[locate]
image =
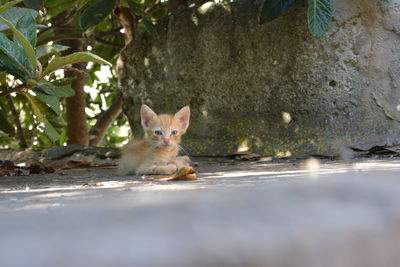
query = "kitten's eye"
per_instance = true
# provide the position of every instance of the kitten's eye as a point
(174, 132)
(158, 132)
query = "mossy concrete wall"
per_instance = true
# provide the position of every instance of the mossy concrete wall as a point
(273, 85)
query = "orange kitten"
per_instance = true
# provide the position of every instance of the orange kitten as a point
(158, 152)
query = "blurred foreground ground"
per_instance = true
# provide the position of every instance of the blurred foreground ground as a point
(258, 213)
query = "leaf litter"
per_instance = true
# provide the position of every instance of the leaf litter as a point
(8, 168)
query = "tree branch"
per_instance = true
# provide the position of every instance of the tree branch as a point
(110, 32)
(16, 89)
(126, 19)
(98, 39)
(61, 37)
(98, 131)
(157, 4)
(74, 36)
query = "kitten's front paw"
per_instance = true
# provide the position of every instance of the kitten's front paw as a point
(185, 160)
(164, 169)
(170, 168)
(182, 161)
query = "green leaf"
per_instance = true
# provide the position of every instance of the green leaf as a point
(57, 121)
(149, 27)
(14, 14)
(124, 3)
(9, 5)
(7, 65)
(52, 101)
(59, 62)
(24, 42)
(64, 91)
(59, 91)
(27, 26)
(95, 13)
(63, 138)
(48, 50)
(58, 6)
(3, 80)
(63, 81)
(13, 58)
(81, 3)
(160, 13)
(272, 9)
(45, 36)
(319, 14)
(34, 4)
(41, 26)
(135, 7)
(31, 83)
(51, 133)
(39, 109)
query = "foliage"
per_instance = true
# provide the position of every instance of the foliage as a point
(319, 13)
(28, 68)
(144, 11)
(38, 92)
(273, 9)
(95, 13)
(99, 102)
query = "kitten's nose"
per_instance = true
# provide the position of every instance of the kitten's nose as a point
(166, 142)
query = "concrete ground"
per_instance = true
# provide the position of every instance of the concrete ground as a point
(251, 213)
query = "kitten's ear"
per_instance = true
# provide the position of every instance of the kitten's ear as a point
(146, 115)
(182, 116)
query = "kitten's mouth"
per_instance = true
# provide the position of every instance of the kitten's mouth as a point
(169, 146)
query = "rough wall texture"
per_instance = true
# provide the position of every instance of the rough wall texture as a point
(272, 86)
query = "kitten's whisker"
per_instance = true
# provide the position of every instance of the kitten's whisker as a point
(184, 150)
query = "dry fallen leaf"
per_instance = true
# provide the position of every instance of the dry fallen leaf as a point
(10, 169)
(38, 167)
(4, 172)
(184, 173)
(7, 165)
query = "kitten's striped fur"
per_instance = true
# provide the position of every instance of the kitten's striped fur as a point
(158, 152)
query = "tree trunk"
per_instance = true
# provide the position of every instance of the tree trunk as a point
(77, 130)
(99, 129)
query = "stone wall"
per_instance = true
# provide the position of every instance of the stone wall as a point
(272, 87)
